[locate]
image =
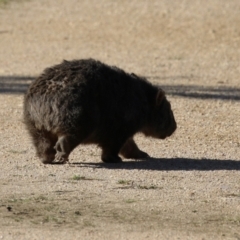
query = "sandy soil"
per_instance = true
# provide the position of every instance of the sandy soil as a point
(190, 187)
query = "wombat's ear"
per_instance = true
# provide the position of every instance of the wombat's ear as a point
(134, 75)
(160, 96)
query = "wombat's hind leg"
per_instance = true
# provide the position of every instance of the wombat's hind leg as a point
(64, 146)
(131, 150)
(110, 155)
(110, 158)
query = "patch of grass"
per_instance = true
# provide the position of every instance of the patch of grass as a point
(147, 187)
(17, 151)
(233, 195)
(130, 201)
(46, 219)
(49, 219)
(18, 200)
(176, 58)
(41, 198)
(125, 182)
(5, 2)
(130, 184)
(48, 207)
(77, 213)
(78, 178)
(17, 220)
(87, 223)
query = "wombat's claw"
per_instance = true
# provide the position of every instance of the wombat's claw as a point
(60, 158)
(111, 159)
(143, 155)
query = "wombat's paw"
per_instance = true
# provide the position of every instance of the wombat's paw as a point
(141, 154)
(131, 150)
(47, 159)
(135, 154)
(60, 158)
(111, 159)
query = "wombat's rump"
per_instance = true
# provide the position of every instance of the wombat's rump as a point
(86, 101)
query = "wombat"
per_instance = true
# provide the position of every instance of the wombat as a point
(86, 101)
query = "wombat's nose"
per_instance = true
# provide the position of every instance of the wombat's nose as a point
(173, 128)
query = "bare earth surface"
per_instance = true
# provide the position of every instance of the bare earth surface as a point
(190, 187)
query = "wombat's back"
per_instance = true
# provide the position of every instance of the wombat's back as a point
(52, 101)
(74, 92)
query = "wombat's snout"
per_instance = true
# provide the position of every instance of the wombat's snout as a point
(172, 126)
(169, 132)
(47, 158)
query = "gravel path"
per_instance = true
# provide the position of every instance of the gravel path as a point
(190, 187)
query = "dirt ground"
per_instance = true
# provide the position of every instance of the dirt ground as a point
(190, 187)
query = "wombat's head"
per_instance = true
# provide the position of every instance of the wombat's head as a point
(162, 123)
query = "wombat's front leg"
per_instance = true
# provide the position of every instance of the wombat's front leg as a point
(131, 150)
(63, 148)
(110, 153)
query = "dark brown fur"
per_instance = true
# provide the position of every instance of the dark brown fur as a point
(86, 101)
